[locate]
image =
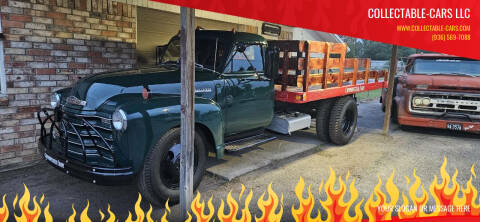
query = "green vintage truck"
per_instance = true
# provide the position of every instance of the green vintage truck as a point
(122, 126)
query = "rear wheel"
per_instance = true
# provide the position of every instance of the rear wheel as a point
(323, 120)
(160, 178)
(343, 120)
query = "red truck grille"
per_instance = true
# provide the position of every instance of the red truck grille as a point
(438, 103)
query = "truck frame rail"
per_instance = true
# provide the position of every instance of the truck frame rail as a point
(312, 70)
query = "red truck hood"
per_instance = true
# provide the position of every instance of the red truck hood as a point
(445, 82)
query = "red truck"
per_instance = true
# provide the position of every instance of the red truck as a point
(438, 91)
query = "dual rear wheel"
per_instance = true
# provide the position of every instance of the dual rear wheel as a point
(336, 120)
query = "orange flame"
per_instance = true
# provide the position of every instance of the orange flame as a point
(4, 210)
(111, 215)
(46, 213)
(140, 214)
(380, 209)
(233, 206)
(464, 201)
(199, 208)
(304, 210)
(27, 214)
(269, 206)
(167, 210)
(337, 209)
(470, 195)
(418, 208)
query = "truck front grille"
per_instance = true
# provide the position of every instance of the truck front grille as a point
(442, 104)
(88, 139)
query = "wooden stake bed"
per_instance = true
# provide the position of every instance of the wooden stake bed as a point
(311, 71)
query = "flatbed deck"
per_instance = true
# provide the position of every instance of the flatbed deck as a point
(311, 71)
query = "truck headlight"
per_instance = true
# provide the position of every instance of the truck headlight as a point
(54, 100)
(417, 101)
(119, 120)
(426, 101)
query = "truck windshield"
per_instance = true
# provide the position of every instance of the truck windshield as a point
(204, 52)
(447, 66)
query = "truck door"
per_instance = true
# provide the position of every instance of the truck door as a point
(249, 98)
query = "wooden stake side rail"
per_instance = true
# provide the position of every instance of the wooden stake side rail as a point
(312, 70)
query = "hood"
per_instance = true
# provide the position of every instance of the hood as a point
(95, 90)
(444, 82)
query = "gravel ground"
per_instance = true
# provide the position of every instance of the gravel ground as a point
(370, 155)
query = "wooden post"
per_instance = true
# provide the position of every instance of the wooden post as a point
(187, 66)
(389, 97)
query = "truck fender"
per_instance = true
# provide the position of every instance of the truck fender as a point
(146, 126)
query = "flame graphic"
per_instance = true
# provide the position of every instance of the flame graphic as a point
(4, 210)
(27, 214)
(337, 209)
(199, 208)
(269, 206)
(167, 210)
(233, 206)
(446, 192)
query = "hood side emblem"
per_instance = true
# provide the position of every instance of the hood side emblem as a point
(203, 90)
(74, 100)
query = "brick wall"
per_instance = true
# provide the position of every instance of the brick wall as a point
(49, 45)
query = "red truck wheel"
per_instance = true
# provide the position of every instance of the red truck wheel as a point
(323, 120)
(343, 120)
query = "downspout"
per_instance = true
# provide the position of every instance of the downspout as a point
(3, 77)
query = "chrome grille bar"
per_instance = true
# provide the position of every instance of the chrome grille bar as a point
(441, 103)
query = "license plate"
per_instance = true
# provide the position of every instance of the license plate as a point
(454, 126)
(54, 161)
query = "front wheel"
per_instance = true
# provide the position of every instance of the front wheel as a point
(343, 120)
(160, 178)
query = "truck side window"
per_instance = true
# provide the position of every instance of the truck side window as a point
(248, 61)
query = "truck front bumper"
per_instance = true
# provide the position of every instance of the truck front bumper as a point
(467, 126)
(96, 175)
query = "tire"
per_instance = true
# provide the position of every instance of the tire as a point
(323, 120)
(394, 113)
(343, 120)
(159, 179)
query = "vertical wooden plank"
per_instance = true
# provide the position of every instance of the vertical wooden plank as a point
(367, 71)
(326, 56)
(340, 68)
(187, 67)
(94, 5)
(285, 70)
(388, 100)
(125, 10)
(306, 74)
(89, 5)
(355, 71)
(110, 7)
(105, 6)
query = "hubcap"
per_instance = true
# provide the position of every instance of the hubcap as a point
(170, 166)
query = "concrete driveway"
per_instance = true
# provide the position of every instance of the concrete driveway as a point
(369, 155)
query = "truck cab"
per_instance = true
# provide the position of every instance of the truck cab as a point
(438, 91)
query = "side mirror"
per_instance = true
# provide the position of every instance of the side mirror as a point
(272, 57)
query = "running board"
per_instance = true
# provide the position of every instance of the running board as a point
(248, 142)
